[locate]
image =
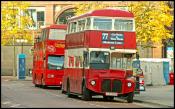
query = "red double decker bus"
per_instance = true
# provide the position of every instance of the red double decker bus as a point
(48, 56)
(100, 46)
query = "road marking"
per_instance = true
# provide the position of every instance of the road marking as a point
(7, 102)
(15, 105)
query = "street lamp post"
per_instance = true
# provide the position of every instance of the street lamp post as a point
(21, 41)
(14, 57)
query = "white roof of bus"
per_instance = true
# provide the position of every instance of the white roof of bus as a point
(94, 10)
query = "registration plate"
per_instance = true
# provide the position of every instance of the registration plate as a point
(111, 94)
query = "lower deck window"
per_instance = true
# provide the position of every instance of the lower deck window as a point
(55, 62)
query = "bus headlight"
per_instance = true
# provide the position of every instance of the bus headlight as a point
(50, 76)
(93, 82)
(129, 84)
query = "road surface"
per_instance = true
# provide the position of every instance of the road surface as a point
(23, 94)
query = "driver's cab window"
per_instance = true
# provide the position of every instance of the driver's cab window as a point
(99, 57)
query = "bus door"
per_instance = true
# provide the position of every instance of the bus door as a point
(85, 62)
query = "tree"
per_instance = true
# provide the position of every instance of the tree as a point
(87, 6)
(152, 20)
(15, 22)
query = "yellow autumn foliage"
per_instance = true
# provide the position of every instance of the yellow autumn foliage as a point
(87, 6)
(14, 22)
(152, 18)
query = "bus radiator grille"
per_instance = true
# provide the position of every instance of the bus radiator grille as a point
(115, 87)
(106, 85)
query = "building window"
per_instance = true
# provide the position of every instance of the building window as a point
(62, 19)
(32, 13)
(38, 17)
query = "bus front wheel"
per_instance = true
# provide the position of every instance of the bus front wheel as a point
(86, 95)
(130, 97)
(35, 82)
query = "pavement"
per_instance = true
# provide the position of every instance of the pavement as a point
(12, 78)
(159, 95)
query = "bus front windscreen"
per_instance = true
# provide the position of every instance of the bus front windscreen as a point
(55, 62)
(57, 34)
(99, 60)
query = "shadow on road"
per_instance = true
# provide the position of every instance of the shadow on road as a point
(53, 88)
(50, 87)
(100, 99)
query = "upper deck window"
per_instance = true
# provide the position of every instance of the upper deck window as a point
(88, 23)
(57, 34)
(73, 27)
(69, 28)
(123, 25)
(81, 25)
(102, 24)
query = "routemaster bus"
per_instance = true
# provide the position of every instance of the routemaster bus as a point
(48, 56)
(100, 46)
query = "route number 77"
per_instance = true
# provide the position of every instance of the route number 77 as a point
(104, 36)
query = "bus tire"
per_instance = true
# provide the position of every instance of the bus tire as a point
(86, 95)
(68, 89)
(130, 97)
(35, 82)
(42, 85)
